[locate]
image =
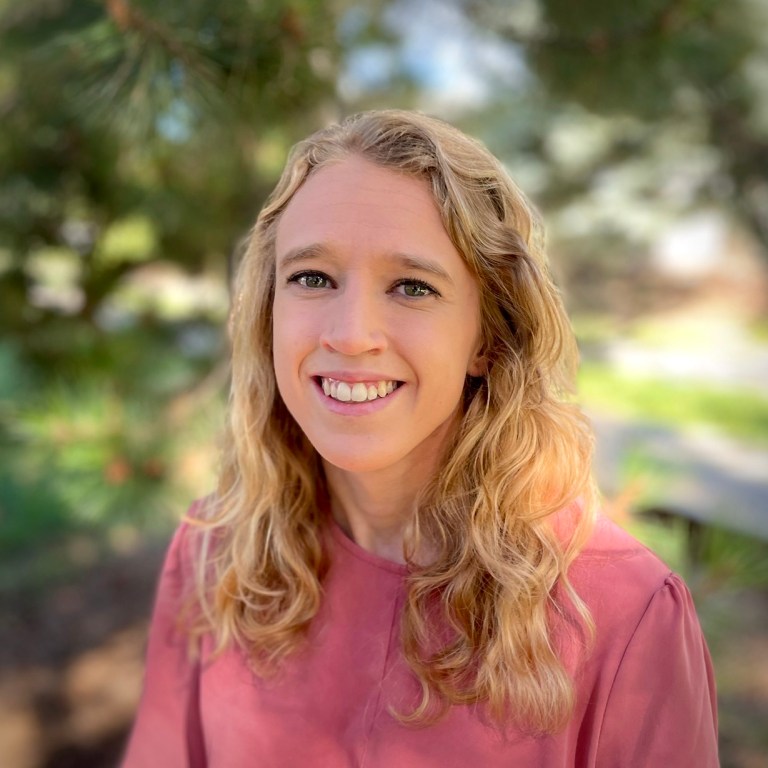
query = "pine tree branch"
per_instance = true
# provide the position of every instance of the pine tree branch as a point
(665, 21)
(127, 18)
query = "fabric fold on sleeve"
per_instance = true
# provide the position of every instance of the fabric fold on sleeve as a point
(662, 707)
(167, 730)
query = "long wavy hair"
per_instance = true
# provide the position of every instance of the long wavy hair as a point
(477, 625)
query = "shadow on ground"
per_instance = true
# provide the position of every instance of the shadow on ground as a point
(71, 664)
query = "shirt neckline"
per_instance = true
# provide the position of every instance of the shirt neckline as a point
(356, 551)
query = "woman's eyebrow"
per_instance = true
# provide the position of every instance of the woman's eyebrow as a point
(403, 260)
(302, 253)
(421, 264)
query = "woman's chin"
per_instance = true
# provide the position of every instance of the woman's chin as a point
(358, 461)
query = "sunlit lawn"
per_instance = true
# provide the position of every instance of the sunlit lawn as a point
(737, 413)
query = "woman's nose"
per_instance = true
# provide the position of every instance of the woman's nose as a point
(353, 324)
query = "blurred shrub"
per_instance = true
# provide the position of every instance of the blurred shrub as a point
(90, 440)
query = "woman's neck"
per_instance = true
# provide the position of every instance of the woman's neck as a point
(375, 508)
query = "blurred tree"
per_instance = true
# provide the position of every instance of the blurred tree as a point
(135, 130)
(137, 141)
(661, 70)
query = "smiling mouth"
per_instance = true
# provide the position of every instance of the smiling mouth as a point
(357, 391)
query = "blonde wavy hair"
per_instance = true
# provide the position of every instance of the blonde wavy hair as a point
(520, 455)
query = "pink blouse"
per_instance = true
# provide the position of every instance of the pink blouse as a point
(645, 693)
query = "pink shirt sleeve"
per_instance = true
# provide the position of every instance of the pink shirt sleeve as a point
(167, 729)
(662, 709)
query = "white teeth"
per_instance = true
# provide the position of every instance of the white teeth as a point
(343, 392)
(357, 392)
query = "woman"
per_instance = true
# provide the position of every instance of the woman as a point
(401, 566)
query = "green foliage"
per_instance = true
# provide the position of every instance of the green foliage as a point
(639, 59)
(145, 62)
(682, 76)
(740, 561)
(133, 129)
(129, 239)
(99, 447)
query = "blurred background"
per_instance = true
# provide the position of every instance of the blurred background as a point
(137, 142)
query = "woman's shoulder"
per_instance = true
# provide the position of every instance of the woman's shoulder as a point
(647, 683)
(618, 577)
(185, 547)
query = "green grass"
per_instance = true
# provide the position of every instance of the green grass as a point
(758, 330)
(737, 413)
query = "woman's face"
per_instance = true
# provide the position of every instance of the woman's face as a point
(376, 318)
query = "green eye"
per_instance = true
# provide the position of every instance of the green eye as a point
(312, 280)
(416, 289)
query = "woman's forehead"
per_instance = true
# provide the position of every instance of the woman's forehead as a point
(355, 199)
